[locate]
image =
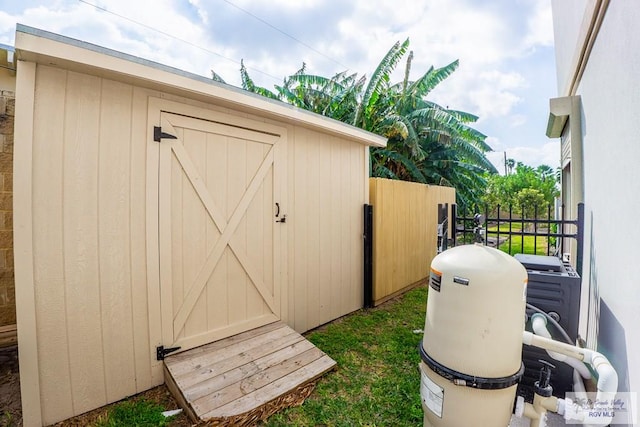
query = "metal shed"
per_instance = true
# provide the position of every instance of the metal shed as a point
(158, 208)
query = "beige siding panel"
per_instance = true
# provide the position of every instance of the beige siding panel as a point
(405, 233)
(312, 218)
(324, 226)
(328, 180)
(23, 245)
(334, 212)
(254, 243)
(90, 259)
(139, 304)
(237, 184)
(48, 246)
(194, 228)
(153, 245)
(114, 239)
(216, 172)
(300, 279)
(343, 245)
(81, 265)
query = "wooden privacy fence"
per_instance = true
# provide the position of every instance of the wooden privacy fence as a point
(405, 221)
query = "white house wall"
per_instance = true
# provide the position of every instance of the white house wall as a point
(610, 126)
(568, 17)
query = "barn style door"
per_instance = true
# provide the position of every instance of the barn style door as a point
(220, 213)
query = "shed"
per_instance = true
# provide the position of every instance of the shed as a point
(154, 207)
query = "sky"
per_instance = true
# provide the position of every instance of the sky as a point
(505, 48)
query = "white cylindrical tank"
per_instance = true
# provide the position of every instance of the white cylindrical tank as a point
(472, 346)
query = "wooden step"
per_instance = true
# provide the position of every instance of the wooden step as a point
(246, 377)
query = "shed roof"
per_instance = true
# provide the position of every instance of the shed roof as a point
(36, 45)
(6, 56)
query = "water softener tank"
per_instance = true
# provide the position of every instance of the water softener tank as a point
(472, 345)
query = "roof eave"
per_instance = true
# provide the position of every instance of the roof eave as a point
(48, 48)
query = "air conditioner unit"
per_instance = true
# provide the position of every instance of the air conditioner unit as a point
(553, 287)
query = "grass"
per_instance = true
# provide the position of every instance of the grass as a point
(517, 246)
(377, 381)
(138, 413)
(7, 420)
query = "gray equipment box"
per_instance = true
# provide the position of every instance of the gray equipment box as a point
(554, 287)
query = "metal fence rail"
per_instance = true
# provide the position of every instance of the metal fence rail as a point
(497, 226)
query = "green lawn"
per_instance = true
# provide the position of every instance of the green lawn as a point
(516, 241)
(377, 382)
(516, 245)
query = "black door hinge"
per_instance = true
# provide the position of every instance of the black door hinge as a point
(158, 134)
(161, 352)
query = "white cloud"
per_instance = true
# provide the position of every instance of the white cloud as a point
(547, 154)
(490, 39)
(539, 25)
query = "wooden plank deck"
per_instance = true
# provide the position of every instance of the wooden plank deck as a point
(246, 377)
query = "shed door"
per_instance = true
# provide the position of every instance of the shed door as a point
(219, 240)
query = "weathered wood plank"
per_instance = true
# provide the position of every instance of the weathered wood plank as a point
(241, 371)
(177, 393)
(273, 390)
(254, 379)
(224, 363)
(187, 355)
(238, 375)
(209, 358)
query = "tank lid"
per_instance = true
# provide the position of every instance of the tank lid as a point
(540, 262)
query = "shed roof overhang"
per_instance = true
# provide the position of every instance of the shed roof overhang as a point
(7, 57)
(48, 48)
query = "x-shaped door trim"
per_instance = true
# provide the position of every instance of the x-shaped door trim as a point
(227, 229)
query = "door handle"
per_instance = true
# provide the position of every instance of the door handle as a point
(277, 209)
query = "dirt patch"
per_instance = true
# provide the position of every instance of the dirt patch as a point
(11, 409)
(159, 395)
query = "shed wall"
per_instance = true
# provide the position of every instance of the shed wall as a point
(328, 179)
(93, 297)
(89, 242)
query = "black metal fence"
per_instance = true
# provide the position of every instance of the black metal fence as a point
(498, 226)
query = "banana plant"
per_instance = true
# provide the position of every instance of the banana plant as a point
(427, 143)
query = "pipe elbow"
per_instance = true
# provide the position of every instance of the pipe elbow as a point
(607, 376)
(539, 327)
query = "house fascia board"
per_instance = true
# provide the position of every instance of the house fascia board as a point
(52, 49)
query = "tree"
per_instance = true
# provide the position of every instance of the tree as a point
(526, 186)
(427, 143)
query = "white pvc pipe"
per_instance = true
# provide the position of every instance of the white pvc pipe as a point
(529, 338)
(607, 376)
(539, 326)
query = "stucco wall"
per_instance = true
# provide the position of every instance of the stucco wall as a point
(568, 16)
(7, 284)
(611, 125)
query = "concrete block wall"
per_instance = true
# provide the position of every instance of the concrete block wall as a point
(7, 282)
